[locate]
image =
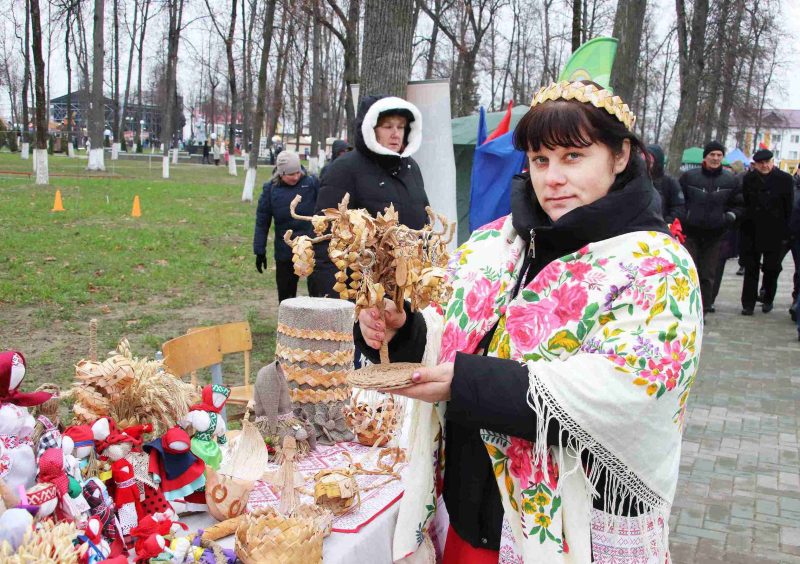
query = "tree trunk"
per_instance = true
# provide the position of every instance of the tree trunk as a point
(97, 113)
(301, 89)
(126, 101)
(116, 126)
(690, 52)
(69, 126)
(576, 24)
(175, 9)
(431, 58)
(386, 54)
(258, 121)
(140, 50)
(351, 64)
(40, 153)
(315, 116)
(26, 82)
(284, 44)
(628, 24)
(731, 79)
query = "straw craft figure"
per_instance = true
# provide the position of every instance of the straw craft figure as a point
(287, 477)
(379, 258)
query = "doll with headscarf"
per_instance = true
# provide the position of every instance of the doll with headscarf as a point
(72, 506)
(47, 431)
(176, 469)
(16, 424)
(78, 443)
(116, 445)
(209, 427)
(93, 548)
(101, 506)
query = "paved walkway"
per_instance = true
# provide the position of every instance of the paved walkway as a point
(738, 497)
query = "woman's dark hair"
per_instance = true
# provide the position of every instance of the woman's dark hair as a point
(570, 123)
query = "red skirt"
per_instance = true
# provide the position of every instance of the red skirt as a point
(459, 551)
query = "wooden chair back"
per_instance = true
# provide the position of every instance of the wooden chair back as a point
(233, 338)
(188, 353)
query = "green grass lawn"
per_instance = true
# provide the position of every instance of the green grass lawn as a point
(187, 261)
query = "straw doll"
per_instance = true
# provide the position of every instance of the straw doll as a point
(16, 424)
(209, 427)
(287, 477)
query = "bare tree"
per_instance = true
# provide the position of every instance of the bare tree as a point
(266, 42)
(691, 46)
(40, 152)
(474, 18)
(175, 11)
(97, 112)
(227, 37)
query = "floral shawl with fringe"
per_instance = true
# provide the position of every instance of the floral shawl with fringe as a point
(611, 335)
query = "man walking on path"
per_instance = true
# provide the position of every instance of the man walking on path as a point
(713, 204)
(768, 194)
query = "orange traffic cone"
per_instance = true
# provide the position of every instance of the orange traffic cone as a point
(137, 210)
(57, 204)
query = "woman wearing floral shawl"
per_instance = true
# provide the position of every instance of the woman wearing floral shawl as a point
(556, 377)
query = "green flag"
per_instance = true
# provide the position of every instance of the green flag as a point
(592, 61)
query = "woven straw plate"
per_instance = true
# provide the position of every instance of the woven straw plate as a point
(383, 376)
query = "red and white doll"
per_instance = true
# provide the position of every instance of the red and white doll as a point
(94, 548)
(126, 493)
(16, 424)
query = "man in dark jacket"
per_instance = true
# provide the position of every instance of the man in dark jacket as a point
(768, 198)
(378, 173)
(672, 204)
(713, 204)
(338, 148)
(288, 181)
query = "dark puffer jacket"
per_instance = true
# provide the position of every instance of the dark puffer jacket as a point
(672, 202)
(274, 204)
(710, 195)
(375, 177)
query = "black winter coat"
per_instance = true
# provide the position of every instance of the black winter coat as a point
(470, 488)
(768, 201)
(672, 202)
(274, 204)
(709, 195)
(374, 182)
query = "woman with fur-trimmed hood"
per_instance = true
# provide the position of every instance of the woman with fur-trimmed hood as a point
(378, 173)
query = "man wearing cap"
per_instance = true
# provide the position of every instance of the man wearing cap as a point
(379, 172)
(713, 204)
(338, 148)
(288, 180)
(768, 199)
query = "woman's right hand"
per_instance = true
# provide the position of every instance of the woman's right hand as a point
(376, 329)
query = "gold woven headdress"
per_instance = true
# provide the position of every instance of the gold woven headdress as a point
(588, 94)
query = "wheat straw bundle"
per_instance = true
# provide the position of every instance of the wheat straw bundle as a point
(266, 537)
(130, 390)
(49, 543)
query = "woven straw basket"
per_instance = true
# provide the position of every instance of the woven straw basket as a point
(373, 425)
(266, 537)
(323, 518)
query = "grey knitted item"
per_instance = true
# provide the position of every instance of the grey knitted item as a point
(318, 314)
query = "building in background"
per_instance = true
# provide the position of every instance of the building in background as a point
(779, 131)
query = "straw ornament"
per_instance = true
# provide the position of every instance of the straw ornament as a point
(379, 258)
(588, 94)
(374, 423)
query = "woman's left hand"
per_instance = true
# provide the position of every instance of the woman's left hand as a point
(430, 384)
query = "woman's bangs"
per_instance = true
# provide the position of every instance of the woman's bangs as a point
(558, 124)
